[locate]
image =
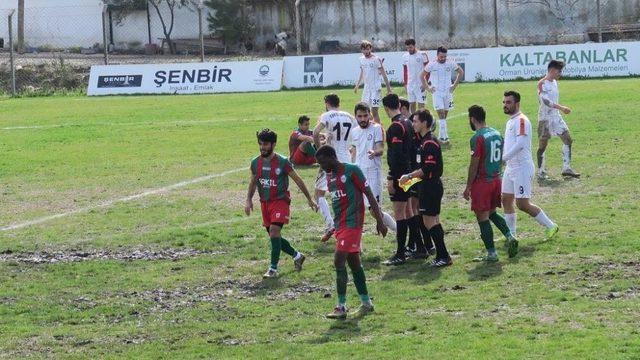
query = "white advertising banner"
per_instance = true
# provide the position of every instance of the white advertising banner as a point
(502, 63)
(186, 78)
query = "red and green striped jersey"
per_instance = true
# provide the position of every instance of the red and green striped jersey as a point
(486, 144)
(347, 186)
(272, 177)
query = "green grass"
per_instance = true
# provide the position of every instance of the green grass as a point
(575, 296)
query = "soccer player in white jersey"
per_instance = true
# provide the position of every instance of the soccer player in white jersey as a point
(517, 181)
(440, 73)
(414, 61)
(368, 142)
(372, 73)
(339, 124)
(550, 121)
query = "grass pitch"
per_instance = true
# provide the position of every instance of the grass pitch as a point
(176, 271)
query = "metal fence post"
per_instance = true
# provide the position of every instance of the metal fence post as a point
(13, 67)
(599, 21)
(298, 28)
(495, 22)
(413, 18)
(200, 32)
(395, 24)
(105, 45)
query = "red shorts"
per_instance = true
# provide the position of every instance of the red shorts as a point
(486, 196)
(300, 158)
(276, 211)
(348, 240)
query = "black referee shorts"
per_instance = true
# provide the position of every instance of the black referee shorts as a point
(430, 195)
(399, 194)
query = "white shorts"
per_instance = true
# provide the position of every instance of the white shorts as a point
(518, 181)
(372, 96)
(551, 125)
(374, 178)
(321, 181)
(415, 95)
(442, 100)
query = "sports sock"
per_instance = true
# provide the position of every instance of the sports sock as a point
(359, 279)
(486, 233)
(389, 221)
(446, 129)
(287, 248)
(442, 123)
(544, 220)
(500, 223)
(426, 235)
(275, 252)
(415, 235)
(437, 234)
(511, 220)
(323, 205)
(401, 236)
(540, 157)
(341, 285)
(566, 156)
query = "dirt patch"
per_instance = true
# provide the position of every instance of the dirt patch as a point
(594, 280)
(64, 256)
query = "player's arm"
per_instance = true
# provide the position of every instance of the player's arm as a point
(355, 89)
(248, 207)
(352, 151)
(424, 75)
(543, 94)
(316, 134)
(298, 180)
(459, 74)
(474, 164)
(522, 140)
(377, 213)
(428, 165)
(378, 150)
(395, 157)
(383, 72)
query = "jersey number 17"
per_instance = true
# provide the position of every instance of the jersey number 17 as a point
(338, 128)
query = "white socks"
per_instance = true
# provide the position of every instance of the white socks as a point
(298, 256)
(323, 205)
(442, 129)
(389, 221)
(566, 157)
(544, 220)
(511, 220)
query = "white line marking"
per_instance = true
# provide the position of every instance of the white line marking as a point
(120, 200)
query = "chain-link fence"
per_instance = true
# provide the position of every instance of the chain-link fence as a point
(55, 45)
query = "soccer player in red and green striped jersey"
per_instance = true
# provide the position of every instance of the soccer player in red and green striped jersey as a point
(484, 182)
(270, 174)
(348, 187)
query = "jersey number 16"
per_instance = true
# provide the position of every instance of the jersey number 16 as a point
(496, 151)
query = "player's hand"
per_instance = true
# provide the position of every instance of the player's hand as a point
(248, 207)
(390, 188)
(381, 228)
(313, 205)
(422, 88)
(355, 89)
(404, 178)
(566, 110)
(467, 194)
(453, 87)
(371, 153)
(432, 89)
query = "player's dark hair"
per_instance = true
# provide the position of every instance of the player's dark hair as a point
(410, 42)
(404, 102)
(365, 44)
(267, 135)
(392, 101)
(362, 106)
(515, 94)
(332, 99)
(555, 64)
(302, 119)
(477, 112)
(326, 151)
(442, 49)
(423, 115)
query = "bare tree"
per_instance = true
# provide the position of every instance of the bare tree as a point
(563, 10)
(169, 21)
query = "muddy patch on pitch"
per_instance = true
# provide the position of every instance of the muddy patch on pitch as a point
(597, 281)
(124, 254)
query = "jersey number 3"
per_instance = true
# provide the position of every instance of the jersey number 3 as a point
(338, 128)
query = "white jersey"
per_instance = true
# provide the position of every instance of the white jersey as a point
(415, 63)
(548, 90)
(441, 74)
(340, 124)
(371, 67)
(364, 140)
(518, 125)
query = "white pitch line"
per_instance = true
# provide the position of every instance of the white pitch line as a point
(120, 200)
